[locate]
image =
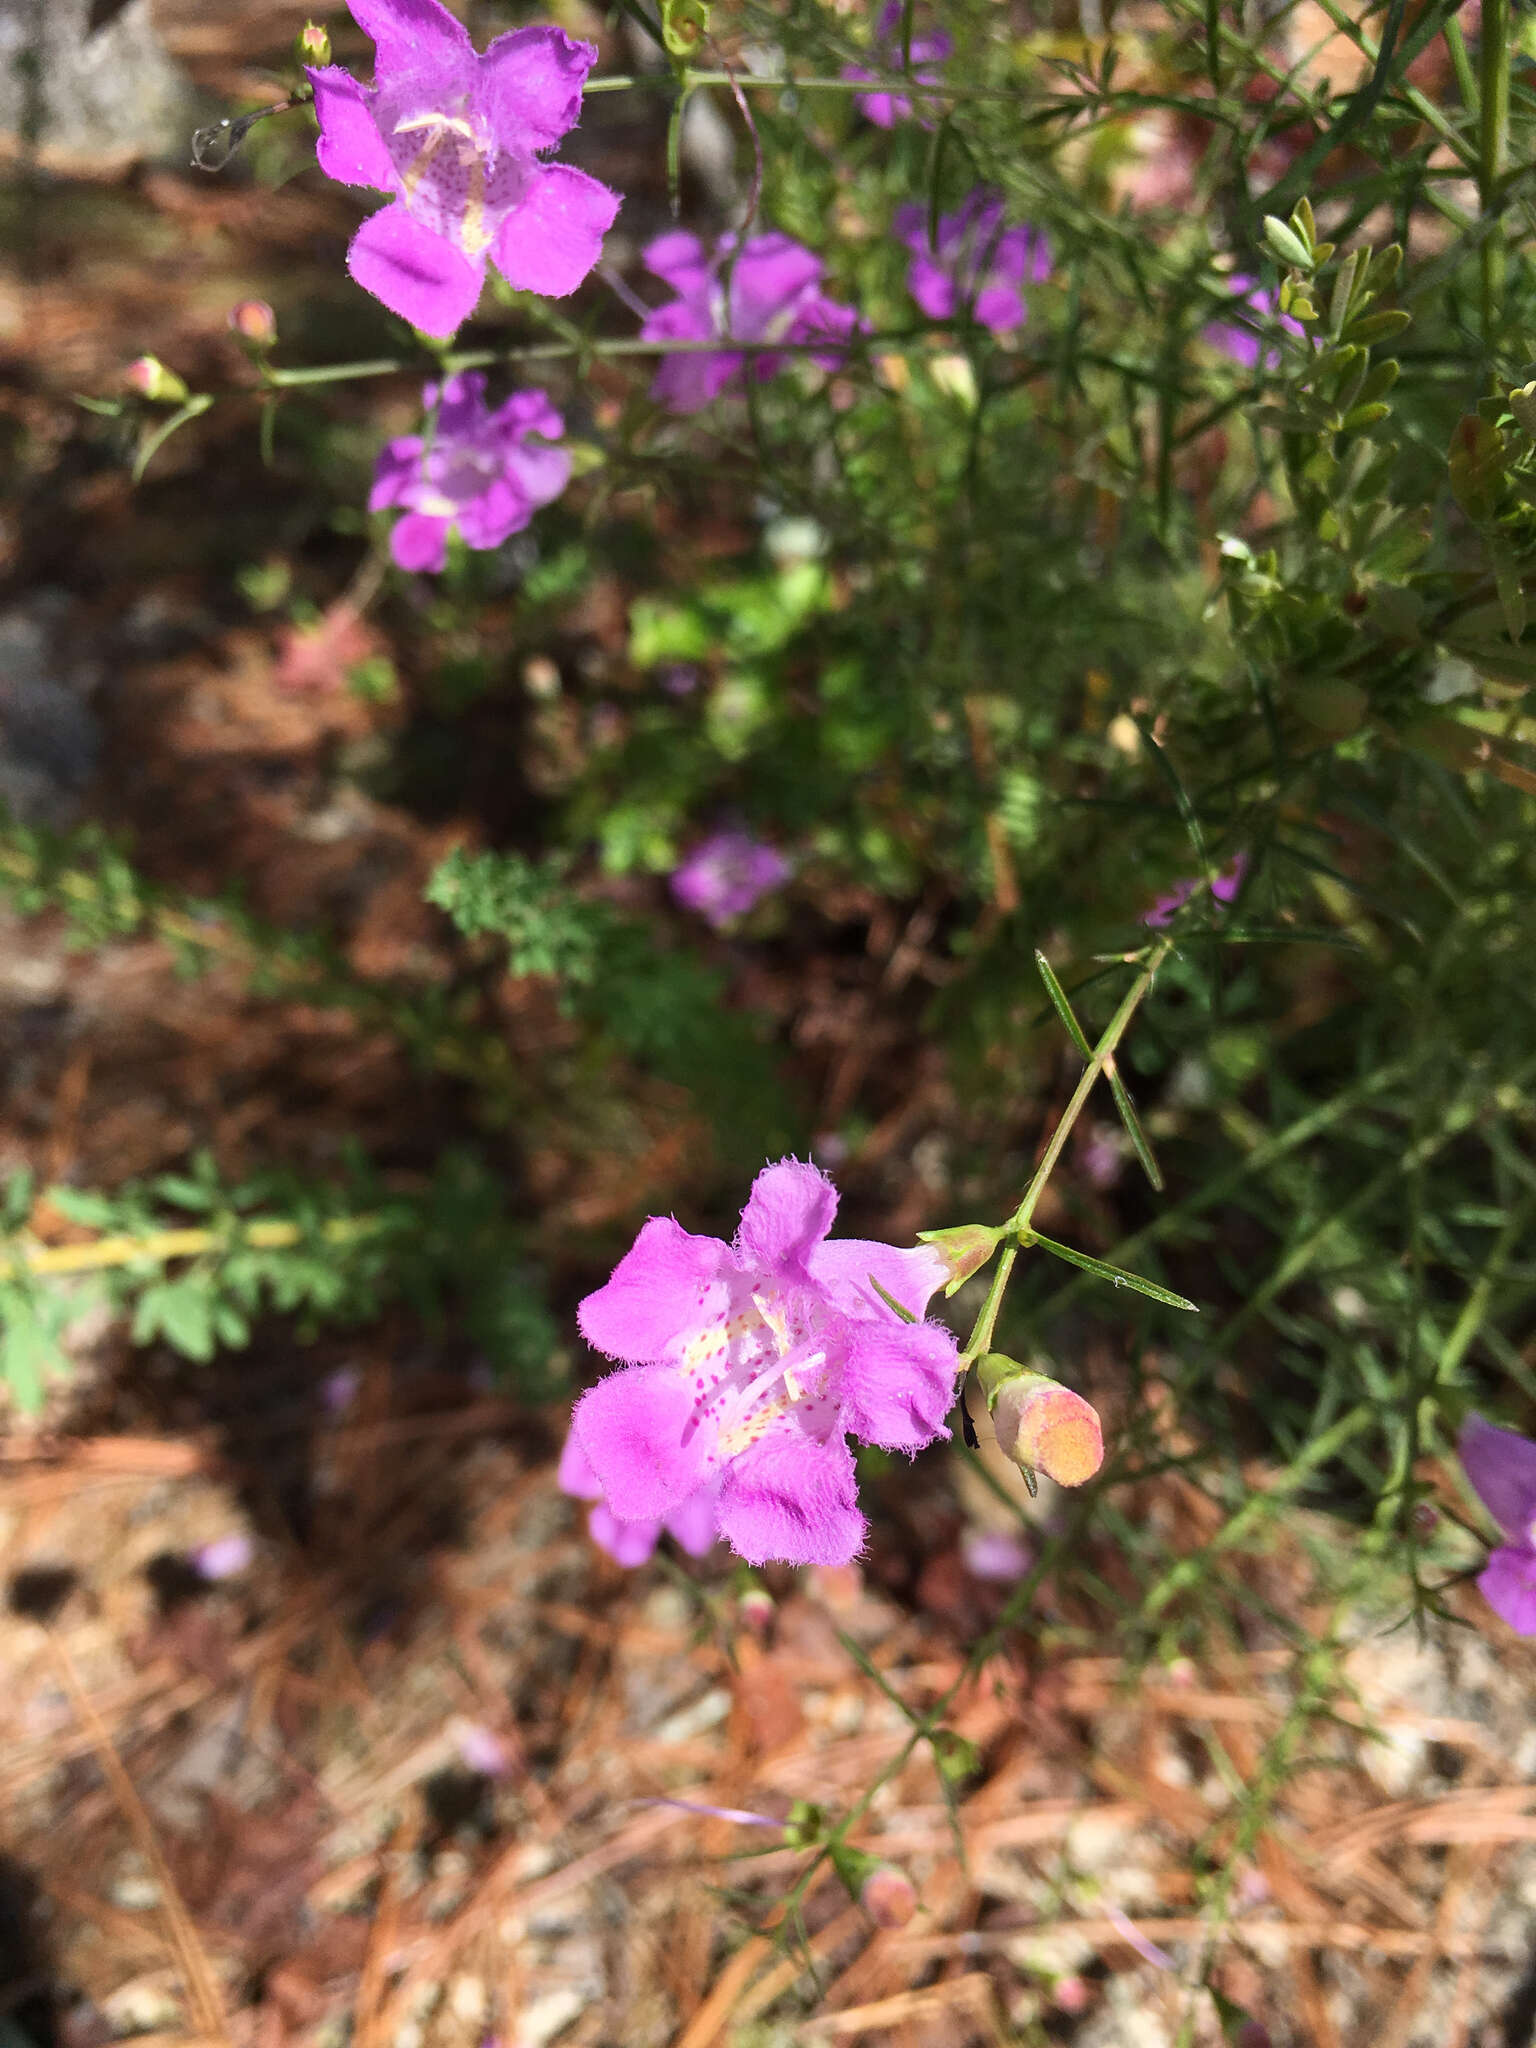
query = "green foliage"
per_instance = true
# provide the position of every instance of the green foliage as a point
(548, 930)
(276, 1245)
(664, 1007)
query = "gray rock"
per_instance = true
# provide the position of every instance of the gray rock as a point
(87, 88)
(49, 735)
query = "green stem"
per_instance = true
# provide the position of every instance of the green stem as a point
(600, 345)
(1103, 1054)
(1100, 1060)
(666, 81)
(986, 1322)
(1492, 154)
(163, 1245)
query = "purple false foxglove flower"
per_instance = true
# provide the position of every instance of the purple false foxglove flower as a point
(767, 288)
(459, 140)
(885, 109)
(1246, 347)
(478, 472)
(1501, 1465)
(976, 263)
(749, 1365)
(726, 874)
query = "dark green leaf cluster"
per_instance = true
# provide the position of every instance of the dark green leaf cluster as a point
(664, 1006)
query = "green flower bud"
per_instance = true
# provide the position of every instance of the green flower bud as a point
(965, 1248)
(1041, 1424)
(151, 379)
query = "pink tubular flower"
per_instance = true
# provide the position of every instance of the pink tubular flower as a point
(458, 139)
(726, 874)
(885, 109)
(747, 1368)
(1501, 1465)
(1242, 343)
(976, 263)
(767, 288)
(479, 471)
(1224, 889)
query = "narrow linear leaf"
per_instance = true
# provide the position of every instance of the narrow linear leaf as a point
(1117, 1087)
(1133, 1127)
(1063, 1008)
(1113, 1274)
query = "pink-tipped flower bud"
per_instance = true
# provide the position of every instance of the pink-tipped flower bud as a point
(756, 1610)
(883, 1889)
(965, 1248)
(1040, 1423)
(254, 321)
(888, 1896)
(313, 45)
(151, 379)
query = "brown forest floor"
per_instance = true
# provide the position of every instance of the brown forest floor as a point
(400, 1774)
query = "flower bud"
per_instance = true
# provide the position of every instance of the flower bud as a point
(1041, 1424)
(151, 379)
(884, 1890)
(965, 1249)
(254, 321)
(756, 1611)
(313, 45)
(888, 1896)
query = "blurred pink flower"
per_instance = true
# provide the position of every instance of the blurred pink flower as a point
(767, 288)
(479, 473)
(1501, 1465)
(995, 1554)
(225, 1557)
(975, 264)
(1224, 889)
(927, 50)
(726, 875)
(1243, 341)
